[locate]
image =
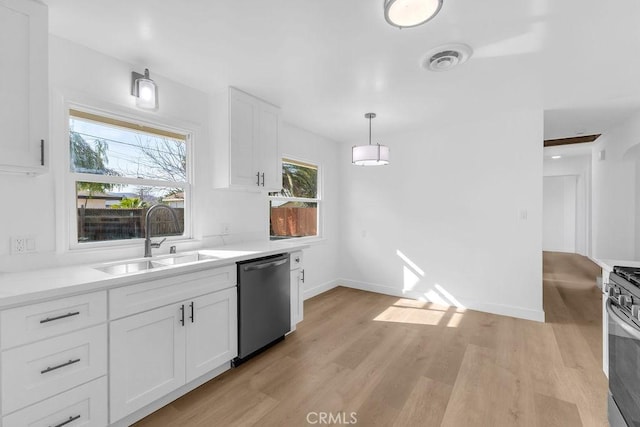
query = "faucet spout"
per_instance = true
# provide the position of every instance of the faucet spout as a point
(148, 244)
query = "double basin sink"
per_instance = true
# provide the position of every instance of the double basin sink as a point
(134, 266)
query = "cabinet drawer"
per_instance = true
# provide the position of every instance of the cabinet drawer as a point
(296, 260)
(85, 405)
(157, 293)
(35, 322)
(40, 370)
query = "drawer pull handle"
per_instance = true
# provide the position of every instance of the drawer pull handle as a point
(53, 368)
(51, 319)
(70, 420)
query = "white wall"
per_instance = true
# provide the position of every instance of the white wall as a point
(80, 75)
(445, 221)
(462, 226)
(579, 167)
(615, 230)
(559, 213)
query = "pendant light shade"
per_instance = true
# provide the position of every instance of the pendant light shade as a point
(372, 154)
(410, 13)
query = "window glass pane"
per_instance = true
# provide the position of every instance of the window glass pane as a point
(299, 180)
(115, 212)
(107, 149)
(293, 219)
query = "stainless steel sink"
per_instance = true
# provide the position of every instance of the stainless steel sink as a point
(186, 258)
(129, 267)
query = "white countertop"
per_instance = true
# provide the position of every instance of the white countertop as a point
(608, 264)
(32, 286)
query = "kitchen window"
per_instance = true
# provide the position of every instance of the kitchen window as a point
(118, 170)
(295, 210)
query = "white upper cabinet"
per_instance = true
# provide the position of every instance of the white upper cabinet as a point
(246, 153)
(23, 86)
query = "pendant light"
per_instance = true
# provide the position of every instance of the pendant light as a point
(410, 13)
(370, 155)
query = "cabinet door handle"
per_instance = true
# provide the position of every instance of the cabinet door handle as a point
(63, 316)
(263, 179)
(42, 152)
(192, 312)
(62, 365)
(302, 275)
(70, 420)
(258, 179)
(182, 314)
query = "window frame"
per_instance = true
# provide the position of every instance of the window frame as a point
(318, 200)
(71, 178)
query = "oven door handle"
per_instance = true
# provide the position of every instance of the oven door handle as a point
(631, 330)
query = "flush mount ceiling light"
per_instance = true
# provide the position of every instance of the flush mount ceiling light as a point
(410, 13)
(145, 90)
(370, 155)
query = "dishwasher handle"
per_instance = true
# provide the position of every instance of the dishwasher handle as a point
(265, 265)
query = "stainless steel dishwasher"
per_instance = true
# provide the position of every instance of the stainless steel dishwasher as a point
(264, 304)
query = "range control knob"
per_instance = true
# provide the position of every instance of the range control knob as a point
(625, 300)
(613, 291)
(635, 311)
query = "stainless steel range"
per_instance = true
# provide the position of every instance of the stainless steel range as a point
(623, 314)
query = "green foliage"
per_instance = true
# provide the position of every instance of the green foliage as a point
(129, 203)
(299, 181)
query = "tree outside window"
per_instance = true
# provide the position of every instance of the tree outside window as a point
(294, 210)
(120, 169)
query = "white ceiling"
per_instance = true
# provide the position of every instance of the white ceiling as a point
(328, 62)
(570, 150)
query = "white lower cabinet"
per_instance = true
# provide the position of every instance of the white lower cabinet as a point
(40, 370)
(212, 332)
(34, 322)
(297, 288)
(156, 352)
(85, 405)
(146, 358)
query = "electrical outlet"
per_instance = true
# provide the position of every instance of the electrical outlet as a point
(226, 229)
(23, 244)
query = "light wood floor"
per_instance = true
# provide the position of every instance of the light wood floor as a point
(401, 362)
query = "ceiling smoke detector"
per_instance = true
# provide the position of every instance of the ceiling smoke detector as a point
(444, 58)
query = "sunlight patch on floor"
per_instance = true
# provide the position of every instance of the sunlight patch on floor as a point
(402, 312)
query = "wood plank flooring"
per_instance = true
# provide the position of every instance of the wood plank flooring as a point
(400, 362)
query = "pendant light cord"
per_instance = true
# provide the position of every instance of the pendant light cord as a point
(369, 130)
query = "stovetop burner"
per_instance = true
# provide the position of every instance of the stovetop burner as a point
(632, 274)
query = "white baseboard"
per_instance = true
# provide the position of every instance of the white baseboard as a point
(310, 293)
(504, 310)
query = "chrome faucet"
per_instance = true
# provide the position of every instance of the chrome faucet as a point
(148, 244)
